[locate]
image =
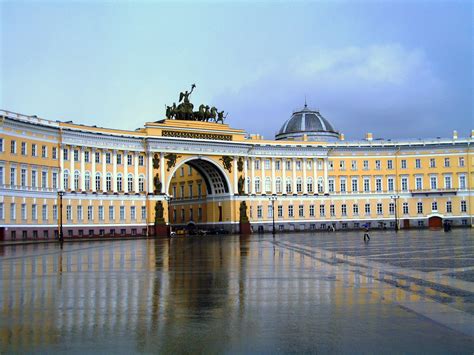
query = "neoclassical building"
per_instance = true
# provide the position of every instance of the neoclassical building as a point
(208, 174)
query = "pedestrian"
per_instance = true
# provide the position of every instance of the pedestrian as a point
(366, 234)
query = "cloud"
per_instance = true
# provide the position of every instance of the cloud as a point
(387, 89)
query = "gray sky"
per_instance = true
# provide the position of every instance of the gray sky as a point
(399, 69)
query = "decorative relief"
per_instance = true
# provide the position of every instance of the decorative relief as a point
(241, 185)
(227, 162)
(240, 165)
(156, 161)
(243, 212)
(171, 160)
(159, 213)
(197, 135)
(157, 184)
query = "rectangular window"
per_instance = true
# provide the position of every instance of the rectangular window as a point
(90, 213)
(129, 159)
(141, 160)
(367, 209)
(2, 177)
(288, 164)
(23, 148)
(267, 164)
(446, 162)
(119, 159)
(311, 210)
(69, 213)
(343, 185)
(462, 182)
(461, 161)
(405, 207)
(343, 209)
(44, 212)
(391, 208)
(419, 183)
(33, 178)
(379, 209)
(23, 177)
(433, 182)
(322, 211)
(432, 163)
(44, 179)
(143, 213)
(354, 164)
(13, 147)
(55, 212)
(290, 211)
(434, 206)
(301, 211)
(332, 210)
(111, 213)
(12, 211)
(54, 153)
(355, 209)
(404, 164)
(1, 144)
(79, 213)
(378, 184)
(108, 158)
(404, 184)
(65, 154)
(270, 211)
(355, 186)
(277, 165)
(377, 165)
(101, 213)
(97, 157)
(76, 155)
(2, 213)
(257, 164)
(34, 150)
(87, 156)
(259, 211)
(133, 213)
(447, 182)
(342, 165)
(280, 211)
(390, 184)
(34, 212)
(418, 163)
(55, 180)
(44, 152)
(419, 207)
(463, 206)
(390, 164)
(331, 185)
(366, 185)
(449, 207)
(12, 176)
(122, 213)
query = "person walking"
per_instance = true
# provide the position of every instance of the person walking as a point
(366, 233)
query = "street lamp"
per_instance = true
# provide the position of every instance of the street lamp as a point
(273, 198)
(61, 235)
(395, 198)
(168, 199)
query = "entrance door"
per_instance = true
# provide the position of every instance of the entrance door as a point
(435, 222)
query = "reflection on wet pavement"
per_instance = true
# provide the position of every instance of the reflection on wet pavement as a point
(325, 292)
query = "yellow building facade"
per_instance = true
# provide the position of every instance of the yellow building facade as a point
(119, 182)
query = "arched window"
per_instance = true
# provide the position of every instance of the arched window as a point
(288, 186)
(130, 182)
(66, 180)
(108, 182)
(278, 185)
(309, 184)
(76, 180)
(268, 184)
(87, 181)
(257, 184)
(97, 182)
(299, 185)
(119, 182)
(320, 185)
(141, 183)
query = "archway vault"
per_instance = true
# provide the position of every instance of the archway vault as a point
(216, 180)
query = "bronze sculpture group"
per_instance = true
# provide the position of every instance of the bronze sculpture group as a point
(184, 110)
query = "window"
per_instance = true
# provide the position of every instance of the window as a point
(418, 163)
(2, 213)
(44, 151)
(301, 211)
(1, 144)
(342, 165)
(119, 182)
(181, 190)
(462, 182)
(267, 164)
(55, 180)
(390, 184)
(355, 209)
(330, 165)
(390, 164)
(97, 157)
(130, 182)
(377, 165)
(309, 184)
(432, 163)
(277, 165)
(391, 208)
(404, 164)
(55, 212)
(44, 179)
(298, 185)
(34, 152)
(404, 184)
(257, 164)
(181, 171)
(259, 211)
(343, 185)
(405, 207)
(463, 206)
(355, 185)
(13, 147)
(79, 212)
(101, 213)
(119, 159)
(23, 148)
(76, 180)
(278, 185)
(87, 181)
(90, 213)
(288, 185)
(199, 213)
(449, 207)
(2, 179)
(34, 212)
(288, 164)
(366, 185)
(268, 184)
(69, 213)
(129, 159)
(322, 211)
(33, 178)
(433, 182)
(257, 184)
(108, 158)
(311, 210)
(434, 206)
(419, 207)
(446, 162)
(461, 161)
(143, 212)
(23, 177)
(108, 182)
(12, 211)
(290, 211)
(447, 182)
(122, 213)
(367, 209)
(343, 209)
(320, 185)
(379, 209)
(133, 213)
(280, 211)
(98, 182)
(87, 156)
(354, 164)
(378, 184)
(55, 153)
(419, 183)
(76, 155)
(309, 165)
(190, 172)
(111, 213)
(331, 185)
(141, 160)
(332, 210)
(65, 154)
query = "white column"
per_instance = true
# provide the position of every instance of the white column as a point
(104, 172)
(315, 175)
(150, 172)
(252, 172)
(114, 171)
(326, 187)
(305, 186)
(125, 172)
(246, 174)
(283, 176)
(294, 174)
(135, 177)
(83, 169)
(71, 174)
(273, 177)
(236, 186)
(162, 173)
(93, 170)
(61, 168)
(262, 184)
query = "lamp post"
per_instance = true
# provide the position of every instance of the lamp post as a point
(168, 199)
(395, 198)
(273, 198)
(61, 235)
